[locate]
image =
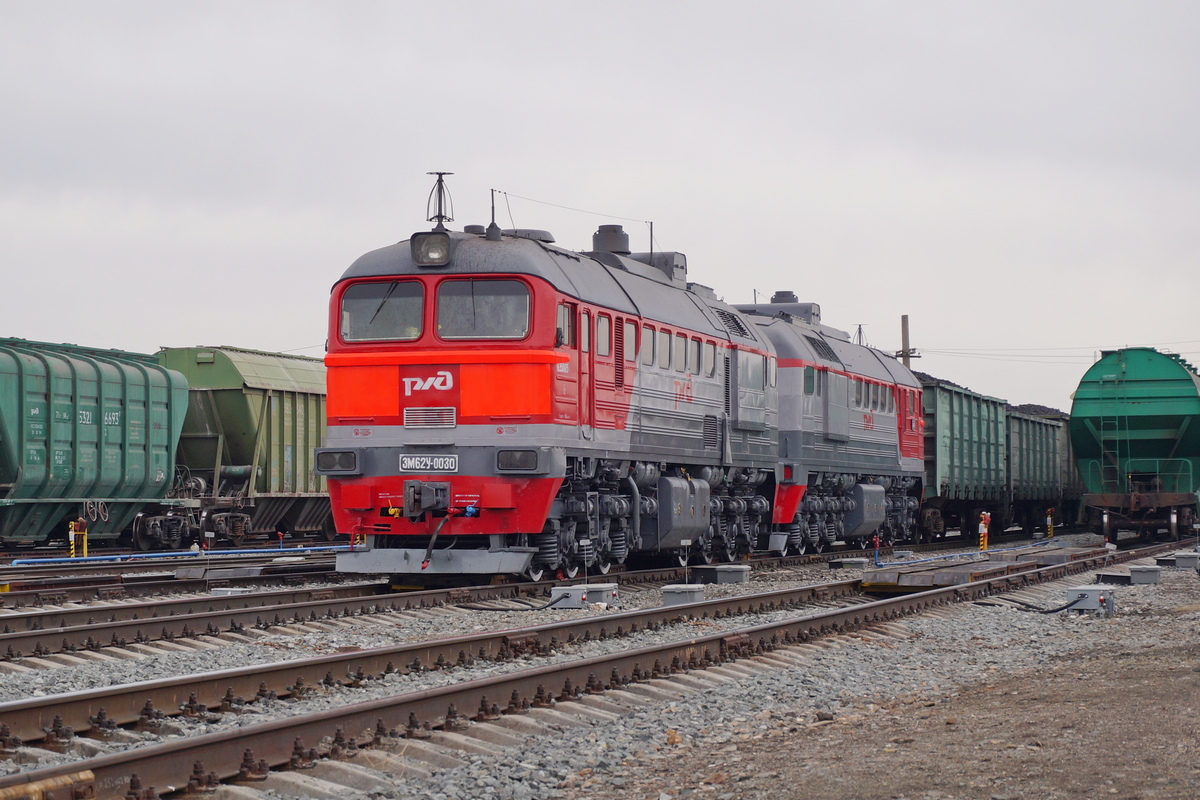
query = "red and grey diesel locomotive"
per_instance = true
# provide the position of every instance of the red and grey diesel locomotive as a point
(497, 404)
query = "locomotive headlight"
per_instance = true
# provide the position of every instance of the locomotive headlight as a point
(431, 249)
(337, 461)
(524, 460)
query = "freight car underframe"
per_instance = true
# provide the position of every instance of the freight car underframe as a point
(195, 514)
(942, 513)
(606, 510)
(1146, 513)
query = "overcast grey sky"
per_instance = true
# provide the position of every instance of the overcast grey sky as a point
(1021, 178)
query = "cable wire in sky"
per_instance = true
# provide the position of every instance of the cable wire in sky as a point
(576, 210)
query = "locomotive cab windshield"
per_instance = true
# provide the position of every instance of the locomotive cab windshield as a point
(380, 312)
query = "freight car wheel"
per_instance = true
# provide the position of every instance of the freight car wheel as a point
(142, 540)
(328, 530)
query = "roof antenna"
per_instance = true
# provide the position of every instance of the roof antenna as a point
(493, 230)
(445, 206)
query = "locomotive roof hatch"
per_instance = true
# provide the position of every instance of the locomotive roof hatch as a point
(612, 240)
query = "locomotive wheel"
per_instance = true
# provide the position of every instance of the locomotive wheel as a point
(603, 566)
(819, 547)
(681, 558)
(801, 548)
(568, 571)
(534, 573)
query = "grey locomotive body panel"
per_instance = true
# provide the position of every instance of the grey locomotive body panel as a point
(820, 429)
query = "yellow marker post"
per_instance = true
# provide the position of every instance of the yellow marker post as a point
(1050, 524)
(985, 519)
(77, 537)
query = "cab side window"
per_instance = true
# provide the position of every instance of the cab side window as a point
(603, 335)
(647, 346)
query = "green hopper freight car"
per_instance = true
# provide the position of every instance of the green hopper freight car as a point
(253, 422)
(1135, 426)
(83, 432)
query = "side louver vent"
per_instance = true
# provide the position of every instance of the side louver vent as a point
(733, 323)
(823, 349)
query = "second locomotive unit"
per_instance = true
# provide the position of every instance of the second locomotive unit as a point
(497, 404)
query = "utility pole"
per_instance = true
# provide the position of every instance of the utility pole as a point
(906, 352)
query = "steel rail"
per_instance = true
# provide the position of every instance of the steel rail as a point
(186, 618)
(251, 750)
(16, 575)
(31, 719)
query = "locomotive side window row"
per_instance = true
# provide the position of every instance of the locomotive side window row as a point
(874, 396)
(657, 346)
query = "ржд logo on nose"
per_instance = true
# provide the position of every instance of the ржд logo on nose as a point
(442, 381)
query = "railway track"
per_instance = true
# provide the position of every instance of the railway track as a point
(396, 720)
(49, 584)
(110, 620)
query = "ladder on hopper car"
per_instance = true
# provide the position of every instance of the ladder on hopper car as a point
(1114, 436)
